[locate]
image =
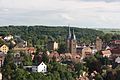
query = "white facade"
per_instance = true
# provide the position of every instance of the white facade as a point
(117, 60)
(40, 68)
(55, 45)
(8, 37)
(0, 76)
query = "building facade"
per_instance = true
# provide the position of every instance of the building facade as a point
(71, 42)
(40, 68)
(98, 44)
(4, 48)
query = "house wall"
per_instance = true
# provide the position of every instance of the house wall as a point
(34, 69)
(42, 68)
(4, 49)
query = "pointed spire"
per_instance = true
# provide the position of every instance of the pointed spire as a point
(69, 33)
(73, 35)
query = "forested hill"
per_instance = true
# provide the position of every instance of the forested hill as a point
(41, 34)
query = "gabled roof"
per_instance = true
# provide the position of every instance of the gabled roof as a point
(42, 63)
(3, 45)
(116, 42)
(115, 51)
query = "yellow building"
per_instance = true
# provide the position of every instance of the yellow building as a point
(4, 48)
(86, 52)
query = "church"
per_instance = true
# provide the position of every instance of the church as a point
(71, 42)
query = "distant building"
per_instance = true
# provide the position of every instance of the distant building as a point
(42, 67)
(0, 76)
(31, 50)
(2, 57)
(86, 52)
(117, 60)
(98, 44)
(52, 45)
(54, 55)
(24, 49)
(17, 50)
(4, 48)
(115, 52)
(106, 53)
(71, 42)
(17, 59)
(116, 42)
(7, 38)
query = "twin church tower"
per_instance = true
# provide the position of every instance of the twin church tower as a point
(71, 42)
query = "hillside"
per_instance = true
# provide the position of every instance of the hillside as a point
(41, 34)
(113, 31)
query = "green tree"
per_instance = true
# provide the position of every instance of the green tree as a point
(9, 67)
(62, 48)
(26, 59)
(45, 58)
(20, 74)
(79, 68)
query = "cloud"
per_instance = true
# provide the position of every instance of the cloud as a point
(67, 17)
(60, 12)
(95, 0)
(102, 0)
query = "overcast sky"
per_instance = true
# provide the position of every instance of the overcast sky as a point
(81, 13)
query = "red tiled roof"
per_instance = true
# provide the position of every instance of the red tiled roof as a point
(115, 51)
(116, 41)
(106, 52)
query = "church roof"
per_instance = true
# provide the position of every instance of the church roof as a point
(71, 36)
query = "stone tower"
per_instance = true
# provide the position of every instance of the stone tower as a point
(98, 44)
(68, 41)
(71, 42)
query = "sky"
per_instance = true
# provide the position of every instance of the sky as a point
(78, 13)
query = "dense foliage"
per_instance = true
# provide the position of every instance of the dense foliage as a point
(40, 35)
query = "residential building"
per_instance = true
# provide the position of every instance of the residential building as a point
(86, 52)
(4, 48)
(2, 57)
(55, 55)
(71, 42)
(7, 38)
(42, 67)
(106, 53)
(17, 59)
(115, 52)
(0, 76)
(117, 60)
(31, 50)
(116, 42)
